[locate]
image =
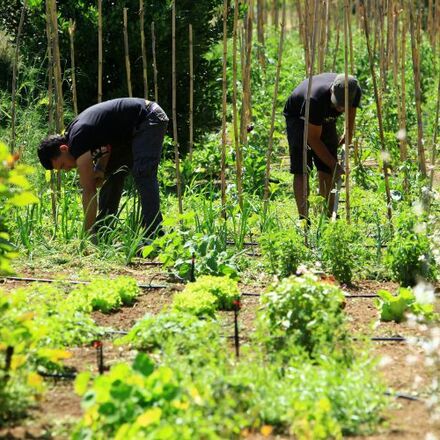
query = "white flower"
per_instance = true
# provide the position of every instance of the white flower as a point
(424, 293)
(401, 134)
(418, 207)
(430, 436)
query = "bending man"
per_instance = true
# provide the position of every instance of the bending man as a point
(104, 142)
(327, 102)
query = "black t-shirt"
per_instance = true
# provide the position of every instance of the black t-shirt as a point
(107, 123)
(321, 109)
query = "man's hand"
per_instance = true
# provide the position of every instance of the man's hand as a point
(338, 171)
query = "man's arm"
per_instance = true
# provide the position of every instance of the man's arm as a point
(351, 119)
(88, 185)
(318, 147)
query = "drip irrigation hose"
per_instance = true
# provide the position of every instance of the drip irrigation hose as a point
(49, 280)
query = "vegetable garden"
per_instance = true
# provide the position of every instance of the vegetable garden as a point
(241, 321)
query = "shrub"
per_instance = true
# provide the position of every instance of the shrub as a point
(409, 255)
(303, 311)
(283, 252)
(337, 250)
(177, 332)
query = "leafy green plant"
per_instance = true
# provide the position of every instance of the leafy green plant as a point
(14, 192)
(396, 307)
(224, 289)
(337, 250)
(305, 312)
(409, 256)
(198, 303)
(105, 295)
(283, 252)
(138, 401)
(175, 332)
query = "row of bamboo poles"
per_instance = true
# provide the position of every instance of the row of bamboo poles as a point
(384, 23)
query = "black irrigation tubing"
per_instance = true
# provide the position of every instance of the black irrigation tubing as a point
(49, 280)
(402, 396)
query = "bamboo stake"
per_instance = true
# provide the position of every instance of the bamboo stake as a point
(59, 120)
(238, 153)
(434, 140)
(14, 76)
(246, 109)
(350, 39)
(143, 48)
(224, 92)
(338, 30)
(260, 34)
(347, 140)
(321, 38)
(174, 85)
(127, 55)
(416, 70)
(53, 193)
(72, 65)
(402, 121)
(303, 33)
(274, 107)
(100, 66)
(191, 92)
(377, 97)
(307, 109)
(153, 44)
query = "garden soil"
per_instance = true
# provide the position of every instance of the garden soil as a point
(401, 364)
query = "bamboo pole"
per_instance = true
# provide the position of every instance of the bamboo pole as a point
(434, 140)
(143, 47)
(321, 39)
(191, 91)
(100, 65)
(53, 193)
(350, 40)
(153, 47)
(260, 34)
(174, 86)
(402, 120)
(14, 77)
(338, 31)
(274, 107)
(238, 152)
(127, 55)
(307, 109)
(347, 139)
(224, 92)
(303, 33)
(377, 98)
(416, 70)
(246, 109)
(72, 65)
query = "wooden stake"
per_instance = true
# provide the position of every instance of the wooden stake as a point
(224, 92)
(50, 92)
(416, 70)
(153, 44)
(338, 31)
(377, 97)
(143, 48)
(174, 85)
(72, 65)
(274, 107)
(238, 152)
(434, 140)
(14, 76)
(307, 109)
(260, 33)
(100, 51)
(347, 139)
(191, 92)
(127, 55)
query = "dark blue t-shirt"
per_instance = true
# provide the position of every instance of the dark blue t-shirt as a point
(321, 109)
(107, 123)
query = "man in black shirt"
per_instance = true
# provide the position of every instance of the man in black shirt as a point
(103, 142)
(327, 102)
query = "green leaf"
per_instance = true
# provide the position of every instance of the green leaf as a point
(143, 364)
(82, 382)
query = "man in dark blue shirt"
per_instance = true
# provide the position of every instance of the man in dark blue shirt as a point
(104, 142)
(327, 102)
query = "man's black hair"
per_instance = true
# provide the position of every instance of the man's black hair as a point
(50, 149)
